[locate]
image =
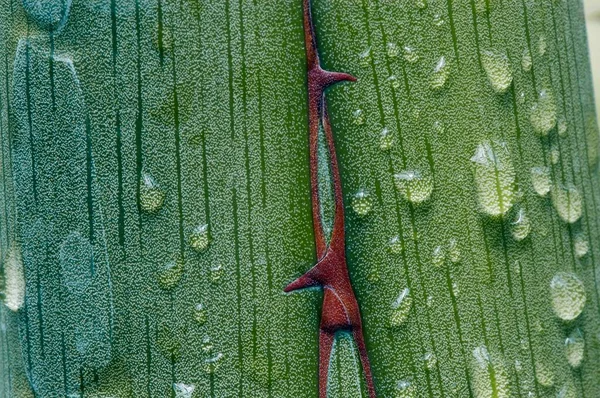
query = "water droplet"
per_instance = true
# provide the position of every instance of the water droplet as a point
(521, 98)
(216, 273)
(183, 390)
(401, 308)
(540, 179)
(421, 4)
(430, 360)
(521, 226)
(395, 245)
(200, 314)
(392, 50)
(207, 345)
(430, 301)
(562, 128)
(567, 391)
(405, 389)
(544, 374)
(364, 58)
(151, 196)
(386, 140)
(438, 257)
(49, 15)
(567, 202)
(543, 113)
(554, 155)
(568, 296)
(581, 246)
(13, 278)
(212, 364)
(454, 251)
(495, 178)
(455, 289)
(490, 378)
(440, 74)
(359, 117)
(170, 274)
(575, 348)
(542, 46)
(362, 203)
(199, 238)
(167, 342)
(393, 81)
(497, 67)
(526, 61)
(416, 187)
(410, 54)
(438, 20)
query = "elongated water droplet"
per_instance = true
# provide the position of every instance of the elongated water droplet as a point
(212, 364)
(393, 81)
(438, 20)
(358, 117)
(395, 245)
(440, 74)
(207, 345)
(567, 293)
(13, 275)
(401, 308)
(544, 375)
(543, 113)
(421, 4)
(200, 314)
(362, 203)
(542, 46)
(568, 202)
(562, 128)
(415, 186)
(438, 257)
(521, 226)
(216, 273)
(454, 251)
(386, 140)
(410, 54)
(497, 67)
(392, 50)
(151, 196)
(540, 179)
(495, 178)
(182, 390)
(171, 273)
(526, 61)
(567, 391)
(581, 246)
(430, 360)
(167, 342)
(554, 155)
(575, 348)
(490, 378)
(199, 238)
(405, 389)
(364, 58)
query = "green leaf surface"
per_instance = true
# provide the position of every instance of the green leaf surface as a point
(155, 198)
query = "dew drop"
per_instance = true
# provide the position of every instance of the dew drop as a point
(521, 226)
(543, 113)
(401, 308)
(13, 278)
(421, 4)
(410, 54)
(212, 364)
(544, 375)
(567, 293)
(405, 389)
(554, 155)
(526, 61)
(497, 67)
(358, 117)
(392, 50)
(200, 314)
(490, 378)
(521, 98)
(542, 46)
(438, 257)
(216, 273)
(364, 57)
(207, 345)
(386, 140)
(454, 251)
(575, 348)
(455, 289)
(438, 20)
(567, 202)
(416, 187)
(440, 74)
(182, 390)
(540, 179)
(151, 196)
(170, 274)
(494, 177)
(581, 246)
(395, 245)
(567, 391)
(562, 128)
(393, 81)
(362, 203)
(199, 238)
(430, 360)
